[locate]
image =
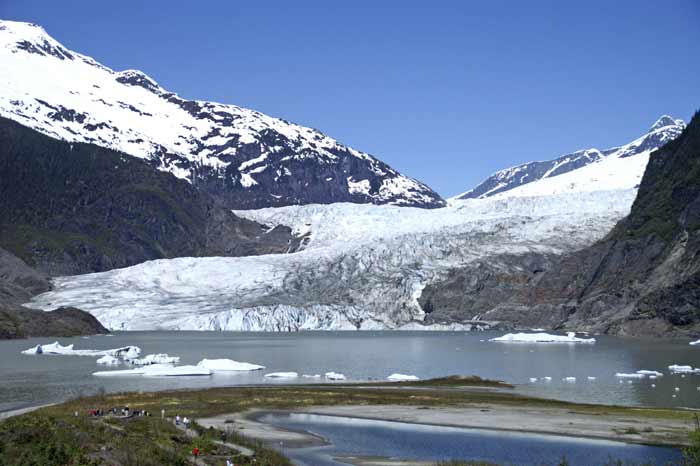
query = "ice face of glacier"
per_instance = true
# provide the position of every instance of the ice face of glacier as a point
(363, 266)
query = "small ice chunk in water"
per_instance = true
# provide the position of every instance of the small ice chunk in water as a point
(623, 375)
(677, 389)
(541, 338)
(402, 378)
(313, 376)
(334, 376)
(591, 378)
(533, 379)
(569, 379)
(653, 385)
(680, 369)
(282, 375)
(108, 360)
(149, 359)
(547, 379)
(228, 365)
(697, 342)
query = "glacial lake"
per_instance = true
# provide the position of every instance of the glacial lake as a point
(361, 356)
(361, 438)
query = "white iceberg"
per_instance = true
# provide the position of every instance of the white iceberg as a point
(623, 375)
(311, 376)
(149, 359)
(542, 338)
(533, 379)
(694, 343)
(108, 360)
(650, 373)
(591, 378)
(334, 376)
(680, 369)
(157, 370)
(228, 365)
(569, 379)
(68, 350)
(282, 375)
(403, 378)
(547, 379)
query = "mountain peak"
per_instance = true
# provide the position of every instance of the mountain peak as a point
(31, 38)
(665, 120)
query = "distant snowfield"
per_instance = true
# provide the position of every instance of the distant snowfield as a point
(363, 267)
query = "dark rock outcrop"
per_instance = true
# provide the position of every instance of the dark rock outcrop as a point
(71, 208)
(642, 279)
(18, 283)
(21, 322)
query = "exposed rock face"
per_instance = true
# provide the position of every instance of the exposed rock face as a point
(642, 279)
(241, 157)
(21, 322)
(18, 283)
(68, 208)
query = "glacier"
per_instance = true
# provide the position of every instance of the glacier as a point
(362, 267)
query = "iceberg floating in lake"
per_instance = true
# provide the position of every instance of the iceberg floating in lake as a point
(334, 376)
(623, 375)
(402, 378)
(650, 373)
(228, 365)
(569, 379)
(542, 338)
(157, 370)
(108, 360)
(149, 359)
(694, 343)
(591, 378)
(282, 375)
(56, 348)
(679, 369)
(311, 376)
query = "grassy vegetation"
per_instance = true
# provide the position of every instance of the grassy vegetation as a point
(453, 381)
(56, 432)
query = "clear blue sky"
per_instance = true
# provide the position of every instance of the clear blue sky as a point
(446, 92)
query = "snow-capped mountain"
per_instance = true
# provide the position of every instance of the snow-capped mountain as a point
(244, 158)
(585, 170)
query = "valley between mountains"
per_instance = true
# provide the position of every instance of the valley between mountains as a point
(152, 211)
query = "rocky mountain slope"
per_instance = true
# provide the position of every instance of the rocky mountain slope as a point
(643, 278)
(68, 208)
(585, 170)
(18, 283)
(241, 157)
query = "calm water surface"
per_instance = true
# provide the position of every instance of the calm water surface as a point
(31, 380)
(360, 438)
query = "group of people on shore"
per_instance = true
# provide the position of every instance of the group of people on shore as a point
(185, 421)
(123, 412)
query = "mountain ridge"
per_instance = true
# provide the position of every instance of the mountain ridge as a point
(244, 158)
(509, 179)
